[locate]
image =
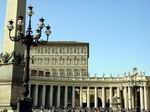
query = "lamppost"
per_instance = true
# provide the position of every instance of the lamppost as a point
(28, 40)
(134, 83)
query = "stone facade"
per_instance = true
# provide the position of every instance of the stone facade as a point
(60, 59)
(57, 88)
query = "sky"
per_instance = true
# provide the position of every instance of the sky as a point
(118, 31)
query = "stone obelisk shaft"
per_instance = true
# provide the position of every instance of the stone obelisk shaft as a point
(14, 9)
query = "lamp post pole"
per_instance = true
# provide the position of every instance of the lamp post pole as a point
(28, 40)
(133, 82)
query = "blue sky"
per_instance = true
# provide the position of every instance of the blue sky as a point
(118, 31)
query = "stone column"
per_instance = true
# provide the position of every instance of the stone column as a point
(51, 95)
(43, 95)
(148, 99)
(73, 96)
(103, 97)
(58, 96)
(66, 96)
(141, 98)
(145, 98)
(36, 95)
(29, 95)
(95, 103)
(81, 96)
(125, 98)
(129, 97)
(88, 97)
(119, 96)
(132, 96)
(110, 96)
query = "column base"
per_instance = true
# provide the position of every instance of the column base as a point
(24, 105)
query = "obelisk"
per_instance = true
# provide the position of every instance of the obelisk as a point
(14, 9)
(11, 74)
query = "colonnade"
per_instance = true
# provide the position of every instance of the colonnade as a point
(61, 95)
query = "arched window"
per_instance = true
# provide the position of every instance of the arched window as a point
(76, 72)
(69, 60)
(83, 72)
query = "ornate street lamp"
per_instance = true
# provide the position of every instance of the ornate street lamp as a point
(28, 40)
(134, 83)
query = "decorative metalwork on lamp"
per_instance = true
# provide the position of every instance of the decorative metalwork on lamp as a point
(134, 83)
(28, 40)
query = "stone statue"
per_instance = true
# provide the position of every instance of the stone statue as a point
(5, 58)
(115, 103)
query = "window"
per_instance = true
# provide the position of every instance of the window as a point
(54, 61)
(32, 60)
(60, 50)
(76, 60)
(47, 74)
(45, 59)
(69, 73)
(35, 60)
(53, 50)
(33, 72)
(48, 61)
(68, 60)
(40, 73)
(70, 50)
(75, 50)
(40, 60)
(76, 72)
(67, 50)
(83, 60)
(56, 52)
(62, 72)
(83, 71)
(63, 50)
(61, 60)
(54, 72)
(84, 50)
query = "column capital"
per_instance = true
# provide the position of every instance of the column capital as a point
(73, 86)
(81, 86)
(103, 86)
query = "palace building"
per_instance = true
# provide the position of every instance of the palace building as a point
(59, 77)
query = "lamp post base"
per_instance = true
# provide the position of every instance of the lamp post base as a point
(24, 105)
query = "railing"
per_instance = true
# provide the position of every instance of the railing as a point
(83, 109)
(70, 109)
(80, 109)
